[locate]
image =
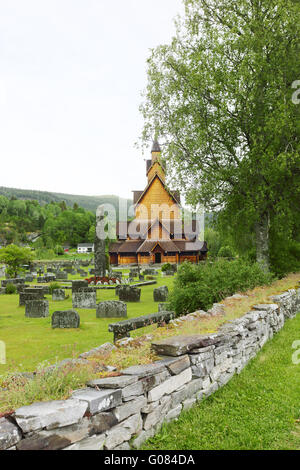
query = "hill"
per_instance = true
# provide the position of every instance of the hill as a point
(43, 197)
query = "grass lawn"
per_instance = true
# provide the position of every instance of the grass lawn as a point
(32, 341)
(257, 410)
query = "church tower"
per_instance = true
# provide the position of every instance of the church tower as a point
(156, 233)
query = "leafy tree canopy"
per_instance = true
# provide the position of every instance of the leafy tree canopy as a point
(220, 97)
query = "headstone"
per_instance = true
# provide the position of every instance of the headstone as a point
(85, 299)
(65, 319)
(61, 276)
(99, 244)
(129, 294)
(30, 294)
(150, 272)
(28, 278)
(58, 294)
(79, 284)
(2, 271)
(37, 308)
(111, 309)
(160, 294)
(15, 281)
(162, 307)
(141, 277)
(117, 274)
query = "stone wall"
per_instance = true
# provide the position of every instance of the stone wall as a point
(123, 412)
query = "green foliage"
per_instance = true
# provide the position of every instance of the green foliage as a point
(48, 384)
(53, 286)
(44, 253)
(14, 257)
(198, 287)
(221, 94)
(285, 256)
(214, 241)
(89, 203)
(10, 289)
(226, 252)
(59, 250)
(166, 267)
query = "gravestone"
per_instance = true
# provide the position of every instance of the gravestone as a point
(2, 271)
(129, 294)
(62, 276)
(28, 278)
(15, 281)
(58, 294)
(65, 319)
(84, 299)
(99, 244)
(111, 309)
(30, 294)
(150, 272)
(162, 307)
(79, 284)
(160, 294)
(37, 309)
(133, 272)
(117, 274)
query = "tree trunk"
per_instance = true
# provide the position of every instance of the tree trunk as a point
(262, 229)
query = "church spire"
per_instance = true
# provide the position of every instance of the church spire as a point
(155, 146)
(156, 151)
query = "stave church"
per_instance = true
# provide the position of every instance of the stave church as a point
(157, 233)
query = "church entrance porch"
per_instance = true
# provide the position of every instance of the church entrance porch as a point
(157, 258)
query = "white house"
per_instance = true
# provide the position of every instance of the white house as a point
(85, 248)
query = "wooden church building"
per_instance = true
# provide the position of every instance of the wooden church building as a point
(156, 235)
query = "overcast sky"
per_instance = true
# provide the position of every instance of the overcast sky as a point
(71, 75)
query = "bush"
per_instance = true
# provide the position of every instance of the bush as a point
(10, 289)
(53, 286)
(284, 256)
(226, 252)
(166, 267)
(198, 287)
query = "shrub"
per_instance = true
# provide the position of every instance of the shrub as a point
(166, 267)
(199, 286)
(10, 289)
(226, 252)
(53, 286)
(284, 256)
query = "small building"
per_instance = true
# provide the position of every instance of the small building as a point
(157, 234)
(85, 248)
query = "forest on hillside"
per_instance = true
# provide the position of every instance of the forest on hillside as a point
(90, 203)
(47, 226)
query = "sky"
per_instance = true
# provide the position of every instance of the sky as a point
(71, 77)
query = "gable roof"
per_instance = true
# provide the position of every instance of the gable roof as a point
(172, 195)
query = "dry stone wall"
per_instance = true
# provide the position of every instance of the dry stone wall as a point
(123, 412)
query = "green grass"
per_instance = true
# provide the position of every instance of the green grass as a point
(257, 410)
(32, 341)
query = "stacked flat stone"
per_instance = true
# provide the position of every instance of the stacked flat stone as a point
(120, 413)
